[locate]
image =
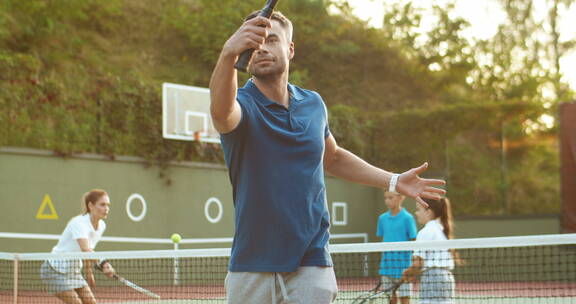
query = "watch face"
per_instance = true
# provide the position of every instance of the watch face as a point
(393, 182)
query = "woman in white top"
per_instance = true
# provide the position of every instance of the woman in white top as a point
(63, 278)
(433, 267)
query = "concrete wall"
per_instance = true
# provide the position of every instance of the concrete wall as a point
(29, 176)
(494, 226)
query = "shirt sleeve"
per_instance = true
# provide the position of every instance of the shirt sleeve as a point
(327, 127)
(380, 227)
(239, 130)
(412, 231)
(422, 236)
(78, 229)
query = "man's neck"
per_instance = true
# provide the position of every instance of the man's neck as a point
(275, 89)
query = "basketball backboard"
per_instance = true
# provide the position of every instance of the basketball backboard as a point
(186, 113)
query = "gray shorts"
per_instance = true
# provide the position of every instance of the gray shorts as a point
(57, 282)
(437, 286)
(405, 290)
(307, 285)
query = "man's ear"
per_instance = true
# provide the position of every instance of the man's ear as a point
(291, 51)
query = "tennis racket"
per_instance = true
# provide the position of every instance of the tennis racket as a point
(374, 294)
(130, 284)
(246, 56)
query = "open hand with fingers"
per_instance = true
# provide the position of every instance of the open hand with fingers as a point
(412, 185)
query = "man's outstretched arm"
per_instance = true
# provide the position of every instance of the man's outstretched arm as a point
(344, 164)
(224, 108)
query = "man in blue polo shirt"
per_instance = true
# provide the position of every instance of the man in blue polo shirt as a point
(277, 145)
(396, 225)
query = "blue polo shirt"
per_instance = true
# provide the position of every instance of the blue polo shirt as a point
(396, 228)
(274, 157)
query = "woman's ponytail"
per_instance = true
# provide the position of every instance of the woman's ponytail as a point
(442, 209)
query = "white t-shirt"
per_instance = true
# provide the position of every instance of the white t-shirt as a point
(433, 231)
(79, 227)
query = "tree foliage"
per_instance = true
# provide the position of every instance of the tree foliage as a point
(85, 76)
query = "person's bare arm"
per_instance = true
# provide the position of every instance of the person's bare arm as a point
(224, 109)
(412, 273)
(85, 247)
(344, 164)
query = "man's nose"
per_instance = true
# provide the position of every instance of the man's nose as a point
(263, 49)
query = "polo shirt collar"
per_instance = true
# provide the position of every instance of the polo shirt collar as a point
(295, 93)
(252, 88)
(397, 214)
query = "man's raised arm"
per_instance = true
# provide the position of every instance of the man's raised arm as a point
(224, 108)
(344, 164)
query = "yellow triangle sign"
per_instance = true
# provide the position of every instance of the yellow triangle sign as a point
(46, 202)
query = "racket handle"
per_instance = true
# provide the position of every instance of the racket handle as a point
(243, 61)
(100, 265)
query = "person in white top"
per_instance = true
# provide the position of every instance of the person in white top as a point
(433, 267)
(63, 278)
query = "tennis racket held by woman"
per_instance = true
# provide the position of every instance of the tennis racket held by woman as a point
(130, 284)
(375, 294)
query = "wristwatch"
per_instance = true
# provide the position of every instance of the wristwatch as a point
(393, 183)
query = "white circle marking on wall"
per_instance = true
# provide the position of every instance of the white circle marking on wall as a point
(142, 214)
(209, 202)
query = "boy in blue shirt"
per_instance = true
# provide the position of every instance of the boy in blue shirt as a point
(396, 225)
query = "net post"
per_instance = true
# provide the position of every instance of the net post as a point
(366, 263)
(16, 266)
(176, 268)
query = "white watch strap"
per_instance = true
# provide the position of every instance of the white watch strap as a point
(393, 183)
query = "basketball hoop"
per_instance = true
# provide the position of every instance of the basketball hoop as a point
(186, 114)
(198, 138)
(197, 135)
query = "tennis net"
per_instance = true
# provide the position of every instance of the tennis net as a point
(530, 269)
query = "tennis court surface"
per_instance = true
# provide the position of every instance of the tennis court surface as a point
(530, 269)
